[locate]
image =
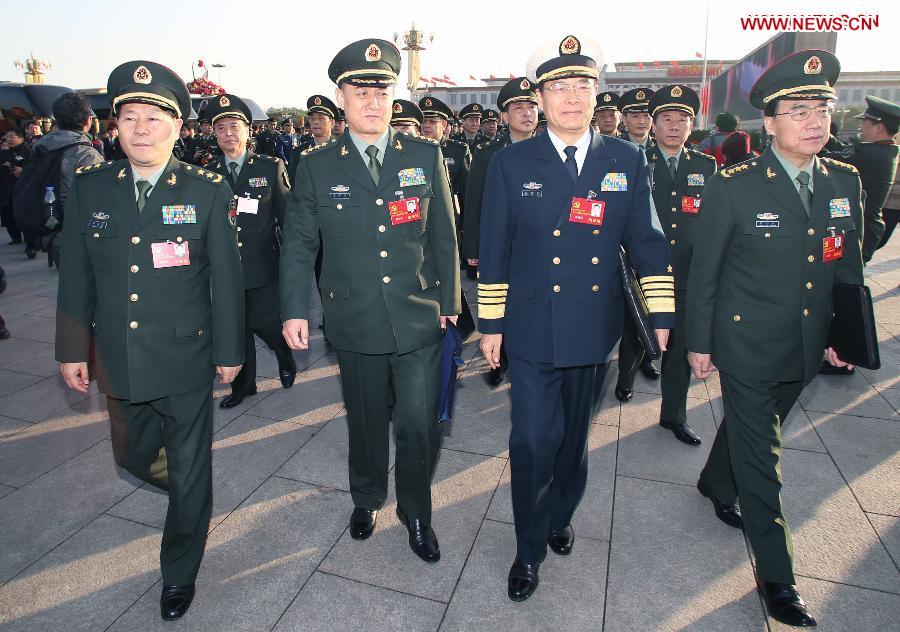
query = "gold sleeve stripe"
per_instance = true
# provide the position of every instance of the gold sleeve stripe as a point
(493, 286)
(657, 286)
(657, 279)
(492, 292)
(664, 293)
(492, 301)
(497, 311)
(661, 305)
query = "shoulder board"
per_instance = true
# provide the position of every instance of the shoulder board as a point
(837, 164)
(203, 174)
(99, 166)
(268, 157)
(421, 139)
(702, 154)
(454, 141)
(314, 148)
(742, 167)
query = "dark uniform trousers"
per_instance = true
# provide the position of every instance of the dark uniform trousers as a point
(744, 463)
(631, 351)
(551, 418)
(167, 442)
(262, 319)
(417, 432)
(676, 372)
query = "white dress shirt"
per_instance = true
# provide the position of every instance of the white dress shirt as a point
(581, 147)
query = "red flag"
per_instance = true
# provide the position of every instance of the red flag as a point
(493, 78)
(657, 64)
(674, 64)
(698, 55)
(473, 78)
(511, 76)
(640, 65)
(449, 80)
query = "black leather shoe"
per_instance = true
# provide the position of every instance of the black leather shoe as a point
(729, 514)
(523, 580)
(422, 539)
(288, 374)
(682, 432)
(649, 369)
(175, 601)
(561, 541)
(624, 393)
(235, 399)
(4, 333)
(494, 377)
(362, 523)
(31, 253)
(829, 369)
(785, 604)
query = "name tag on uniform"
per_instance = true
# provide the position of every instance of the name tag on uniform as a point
(532, 189)
(247, 205)
(614, 182)
(179, 214)
(411, 177)
(258, 182)
(585, 211)
(695, 180)
(168, 254)
(690, 204)
(833, 248)
(404, 211)
(839, 207)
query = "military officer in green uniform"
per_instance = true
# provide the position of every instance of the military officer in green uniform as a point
(151, 278)
(489, 122)
(390, 280)
(471, 135)
(778, 231)
(406, 117)
(261, 188)
(635, 108)
(607, 115)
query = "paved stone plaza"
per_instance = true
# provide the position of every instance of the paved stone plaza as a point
(79, 539)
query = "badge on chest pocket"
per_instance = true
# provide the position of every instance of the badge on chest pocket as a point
(404, 211)
(585, 211)
(833, 248)
(690, 204)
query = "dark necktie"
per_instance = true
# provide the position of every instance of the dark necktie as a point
(570, 164)
(805, 193)
(143, 188)
(374, 166)
(673, 167)
(232, 170)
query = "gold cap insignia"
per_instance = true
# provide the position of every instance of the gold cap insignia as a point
(142, 75)
(525, 85)
(398, 108)
(476, 108)
(428, 103)
(317, 101)
(640, 95)
(570, 46)
(373, 53)
(676, 91)
(813, 66)
(607, 98)
(224, 102)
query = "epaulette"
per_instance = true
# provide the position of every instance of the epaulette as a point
(837, 164)
(327, 143)
(203, 174)
(742, 167)
(421, 139)
(99, 166)
(453, 141)
(268, 157)
(701, 154)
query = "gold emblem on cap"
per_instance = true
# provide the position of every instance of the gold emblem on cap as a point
(428, 103)
(813, 66)
(640, 95)
(476, 108)
(398, 108)
(142, 75)
(570, 46)
(317, 101)
(676, 91)
(224, 102)
(607, 98)
(373, 53)
(525, 85)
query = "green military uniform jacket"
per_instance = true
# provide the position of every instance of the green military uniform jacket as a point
(877, 165)
(458, 159)
(471, 236)
(759, 296)
(264, 179)
(156, 331)
(678, 205)
(384, 284)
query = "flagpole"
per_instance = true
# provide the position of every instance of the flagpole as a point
(704, 110)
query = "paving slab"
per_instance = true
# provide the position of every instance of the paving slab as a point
(315, 397)
(323, 459)
(462, 488)
(85, 583)
(16, 348)
(41, 363)
(847, 395)
(9, 426)
(888, 529)
(334, 604)
(569, 596)
(798, 432)
(668, 543)
(38, 328)
(41, 400)
(480, 415)
(12, 381)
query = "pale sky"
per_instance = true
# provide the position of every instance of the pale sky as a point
(276, 56)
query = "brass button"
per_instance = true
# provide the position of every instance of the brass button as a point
(674, 210)
(381, 228)
(386, 279)
(437, 284)
(239, 230)
(737, 318)
(595, 260)
(557, 233)
(809, 285)
(383, 254)
(672, 242)
(556, 288)
(134, 269)
(331, 295)
(556, 261)
(96, 235)
(674, 225)
(240, 244)
(811, 232)
(135, 240)
(181, 239)
(199, 332)
(595, 288)
(810, 258)
(768, 235)
(133, 298)
(340, 206)
(805, 312)
(596, 231)
(379, 201)
(133, 324)
(673, 193)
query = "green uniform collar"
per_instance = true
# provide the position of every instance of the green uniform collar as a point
(152, 179)
(792, 170)
(381, 143)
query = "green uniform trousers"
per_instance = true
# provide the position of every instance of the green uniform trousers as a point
(167, 442)
(262, 308)
(365, 381)
(675, 376)
(745, 464)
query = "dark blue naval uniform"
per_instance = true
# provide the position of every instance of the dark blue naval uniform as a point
(551, 286)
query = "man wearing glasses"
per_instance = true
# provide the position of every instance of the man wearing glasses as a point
(778, 232)
(561, 205)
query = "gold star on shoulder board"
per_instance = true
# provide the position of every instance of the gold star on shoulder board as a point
(200, 172)
(121, 175)
(669, 269)
(173, 180)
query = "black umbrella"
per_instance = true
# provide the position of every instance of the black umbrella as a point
(25, 100)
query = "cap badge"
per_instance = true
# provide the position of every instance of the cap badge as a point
(476, 108)
(676, 91)
(525, 85)
(142, 75)
(428, 103)
(640, 95)
(317, 101)
(373, 53)
(813, 66)
(398, 108)
(607, 98)
(570, 46)
(224, 102)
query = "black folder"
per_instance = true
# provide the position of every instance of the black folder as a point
(636, 306)
(852, 334)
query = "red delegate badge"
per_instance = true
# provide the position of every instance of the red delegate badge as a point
(584, 211)
(404, 211)
(168, 254)
(690, 204)
(833, 248)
